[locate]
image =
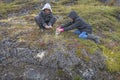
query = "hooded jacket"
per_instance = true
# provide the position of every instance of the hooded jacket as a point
(47, 6)
(46, 19)
(77, 23)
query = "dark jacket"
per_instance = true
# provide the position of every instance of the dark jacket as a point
(46, 19)
(77, 23)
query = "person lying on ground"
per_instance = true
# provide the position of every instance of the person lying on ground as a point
(84, 30)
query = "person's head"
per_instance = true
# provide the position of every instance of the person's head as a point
(73, 15)
(47, 8)
(47, 11)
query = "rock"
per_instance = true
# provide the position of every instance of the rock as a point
(111, 2)
(37, 6)
(73, 65)
(8, 76)
(1, 16)
(4, 24)
(49, 1)
(60, 65)
(2, 57)
(119, 17)
(21, 12)
(117, 2)
(88, 74)
(8, 1)
(32, 74)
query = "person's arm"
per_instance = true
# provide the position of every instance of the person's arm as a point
(41, 19)
(52, 20)
(73, 26)
(66, 25)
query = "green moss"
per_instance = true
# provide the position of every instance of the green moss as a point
(102, 18)
(63, 2)
(87, 58)
(1, 37)
(60, 72)
(112, 65)
(88, 2)
(78, 53)
(5, 7)
(77, 77)
(115, 37)
(90, 46)
(112, 59)
(66, 55)
(15, 6)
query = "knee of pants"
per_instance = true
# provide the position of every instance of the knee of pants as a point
(83, 35)
(37, 18)
(53, 21)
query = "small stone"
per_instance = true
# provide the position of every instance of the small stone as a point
(9, 76)
(32, 74)
(8, 1)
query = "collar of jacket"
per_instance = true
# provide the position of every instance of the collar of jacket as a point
(76, 19)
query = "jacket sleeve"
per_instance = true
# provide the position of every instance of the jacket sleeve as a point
(66, 25)
(41, 19)
(52, 20)
(72, 26)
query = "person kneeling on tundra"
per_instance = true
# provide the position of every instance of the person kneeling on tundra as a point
(84, 30)
(45, 19)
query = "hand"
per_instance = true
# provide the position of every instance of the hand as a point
(50, 27)
(57, 31)
(60, 29)
(46, 26)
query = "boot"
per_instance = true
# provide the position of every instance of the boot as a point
(94, 38)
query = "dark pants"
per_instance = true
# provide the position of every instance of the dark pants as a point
(38, 21)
